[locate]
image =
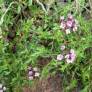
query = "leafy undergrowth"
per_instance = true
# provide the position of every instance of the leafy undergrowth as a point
(45, 46)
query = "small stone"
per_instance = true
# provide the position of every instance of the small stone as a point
(69, 23)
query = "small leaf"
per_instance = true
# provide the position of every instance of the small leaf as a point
(30, 2)
(19, 9)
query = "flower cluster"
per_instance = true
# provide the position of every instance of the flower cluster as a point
(69, 24)
(2, 88)
(33, 73)
(69, 57)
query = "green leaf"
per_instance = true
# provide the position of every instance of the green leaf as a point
(30, 2)
(19, 9)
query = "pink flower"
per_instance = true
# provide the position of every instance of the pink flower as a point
(2, 88)
(30, 72)
(69, 23)
(63, 25)
(75, 28)
(62, 18)
(62, 47)
(37, 74)
(33, 73)
(60, 57)
(70, 58)
(70, 16)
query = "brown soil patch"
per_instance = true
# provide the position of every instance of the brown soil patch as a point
(42, 62)
(50, 84)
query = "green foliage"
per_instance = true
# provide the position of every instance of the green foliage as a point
(35, 34)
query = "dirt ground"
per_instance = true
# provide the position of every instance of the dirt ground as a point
(51, 84)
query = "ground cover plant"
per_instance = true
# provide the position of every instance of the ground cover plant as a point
(45, 43)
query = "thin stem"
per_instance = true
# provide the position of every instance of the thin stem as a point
(41, 6)
(77, 6)
(2, 18)
(90, 4)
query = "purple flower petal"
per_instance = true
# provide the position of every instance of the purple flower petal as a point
(69, 23)
(30, 73)
(70, 58)
(70, 16)
(60, 57)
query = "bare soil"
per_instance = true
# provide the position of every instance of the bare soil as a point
(50, 84)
